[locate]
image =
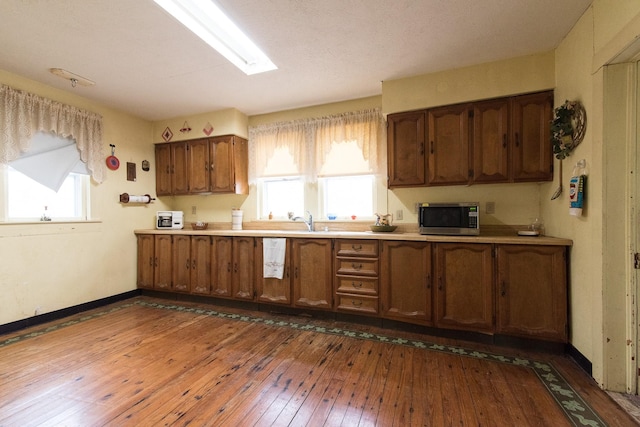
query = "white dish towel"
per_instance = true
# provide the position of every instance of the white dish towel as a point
(273, 252)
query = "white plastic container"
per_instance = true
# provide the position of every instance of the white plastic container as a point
(236, 219)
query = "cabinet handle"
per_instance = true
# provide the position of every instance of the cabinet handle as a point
(504, 140)
(295, 273)
(228, 267)
(211, 166)
(356, 303)
(356, 266)
(155, 262)
(193, 264)
(357, 286)
(503, 291)
(206, 166)
(188, 264)
(431, 147)
(287, 272)
(235, 267)
(517, 140)
(168, 170)
(422, 148)
(356, 247)
(440, 286)
(428, 281)
(150, 261)
(173, 169)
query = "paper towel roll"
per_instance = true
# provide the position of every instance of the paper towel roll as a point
(236, 219)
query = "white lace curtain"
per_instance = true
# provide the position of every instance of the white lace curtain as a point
(23, 114)
(309, 141)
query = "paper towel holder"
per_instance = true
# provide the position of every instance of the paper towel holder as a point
(126, 198)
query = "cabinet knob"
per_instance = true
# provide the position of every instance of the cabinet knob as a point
(356, 266)
(356, 247)
(356, 285)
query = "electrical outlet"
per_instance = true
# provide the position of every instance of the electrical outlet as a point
(399, 214)
(193, 210)
(490, 208)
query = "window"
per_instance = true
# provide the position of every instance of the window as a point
(280, 196)
(28, 200)
(345, 196)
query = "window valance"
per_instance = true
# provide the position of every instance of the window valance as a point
(310, 140)
(23, 114)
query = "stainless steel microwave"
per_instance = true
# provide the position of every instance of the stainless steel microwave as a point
(461, 218)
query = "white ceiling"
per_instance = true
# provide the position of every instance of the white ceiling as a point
(144, 62)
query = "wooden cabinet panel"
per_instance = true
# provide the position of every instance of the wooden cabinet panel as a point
(270, 289)
(312, 273)
(181, 270)
(532, 151)
(357, 285)
(163, 261)
(198, 168)
(221, 164)
(464, 280)
(490, 146)
(243, 275)
(405, 281)
(201, 265)
(357, 248)
(357, 266)
(532, 291)
(448, 145)
(361, 304)
(406, 149)
(179, 168)
(146, 257)
(221, 266)
(163, 170)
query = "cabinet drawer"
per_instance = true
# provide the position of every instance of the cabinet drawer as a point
(357, 285)
(357, 248)
(357, 303)
(357, 266)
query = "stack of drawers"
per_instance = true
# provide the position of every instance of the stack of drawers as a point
(356, 281)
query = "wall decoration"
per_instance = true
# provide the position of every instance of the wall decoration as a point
(167, 134)
(567, 128)
(145, 165)
(185, 128)
(112, 161)
(131, 171)
(208, 129)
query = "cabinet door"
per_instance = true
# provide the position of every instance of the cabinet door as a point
(532, 152)
(406, 149)
(271, 289)
(201, 265)
(163, 261)
(221, 152)
(221, 263)
(163, 170)
(464, 280)
(448, 145)
(243, 267)
(179, 168)
(145, 261)
(490, 148)
(532, 291)
(405, 281)
(312, 273)
(198, 166)
(181, 263)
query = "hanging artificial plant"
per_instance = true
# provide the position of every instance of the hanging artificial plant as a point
(567, 128)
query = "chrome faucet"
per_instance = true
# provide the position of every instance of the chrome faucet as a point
(308, 223)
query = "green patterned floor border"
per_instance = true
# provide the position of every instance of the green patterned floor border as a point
(577, 411)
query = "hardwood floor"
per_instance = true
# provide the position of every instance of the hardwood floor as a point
(151, 362)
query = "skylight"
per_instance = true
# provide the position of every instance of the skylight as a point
(208, 22)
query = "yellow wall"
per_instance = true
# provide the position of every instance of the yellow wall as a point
(51, 266)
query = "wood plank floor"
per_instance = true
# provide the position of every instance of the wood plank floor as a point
(151, 362)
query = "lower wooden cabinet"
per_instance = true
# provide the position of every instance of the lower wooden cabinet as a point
(221, 266)
(154, 261)
(146, 260)
(311, 263)
(464, 286)
(273, 290)
(532, 291)
(243, 276)
(405, 281)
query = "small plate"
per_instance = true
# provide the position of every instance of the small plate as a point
(528, 233)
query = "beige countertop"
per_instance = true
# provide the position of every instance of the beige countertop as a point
(482, 238)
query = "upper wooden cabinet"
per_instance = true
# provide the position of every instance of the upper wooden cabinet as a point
(498, 140)
(406, 149)
(208, 165)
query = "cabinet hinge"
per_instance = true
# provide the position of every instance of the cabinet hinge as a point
(470, 113)
(636, 261)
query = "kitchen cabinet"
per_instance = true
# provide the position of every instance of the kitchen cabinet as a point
(532, 156)
(406, 149)
(202, 166)
(405, 281)
(146, 261)
(243, 275)
(181, 268)
(448, 145)
(532, 291)
(312, 273)
(464, 282)
(221, 266)
(356, 280)
(270, 289)
(201, 265)
(491, 141)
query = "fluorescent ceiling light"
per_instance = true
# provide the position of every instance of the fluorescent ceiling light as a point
(209, 23)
